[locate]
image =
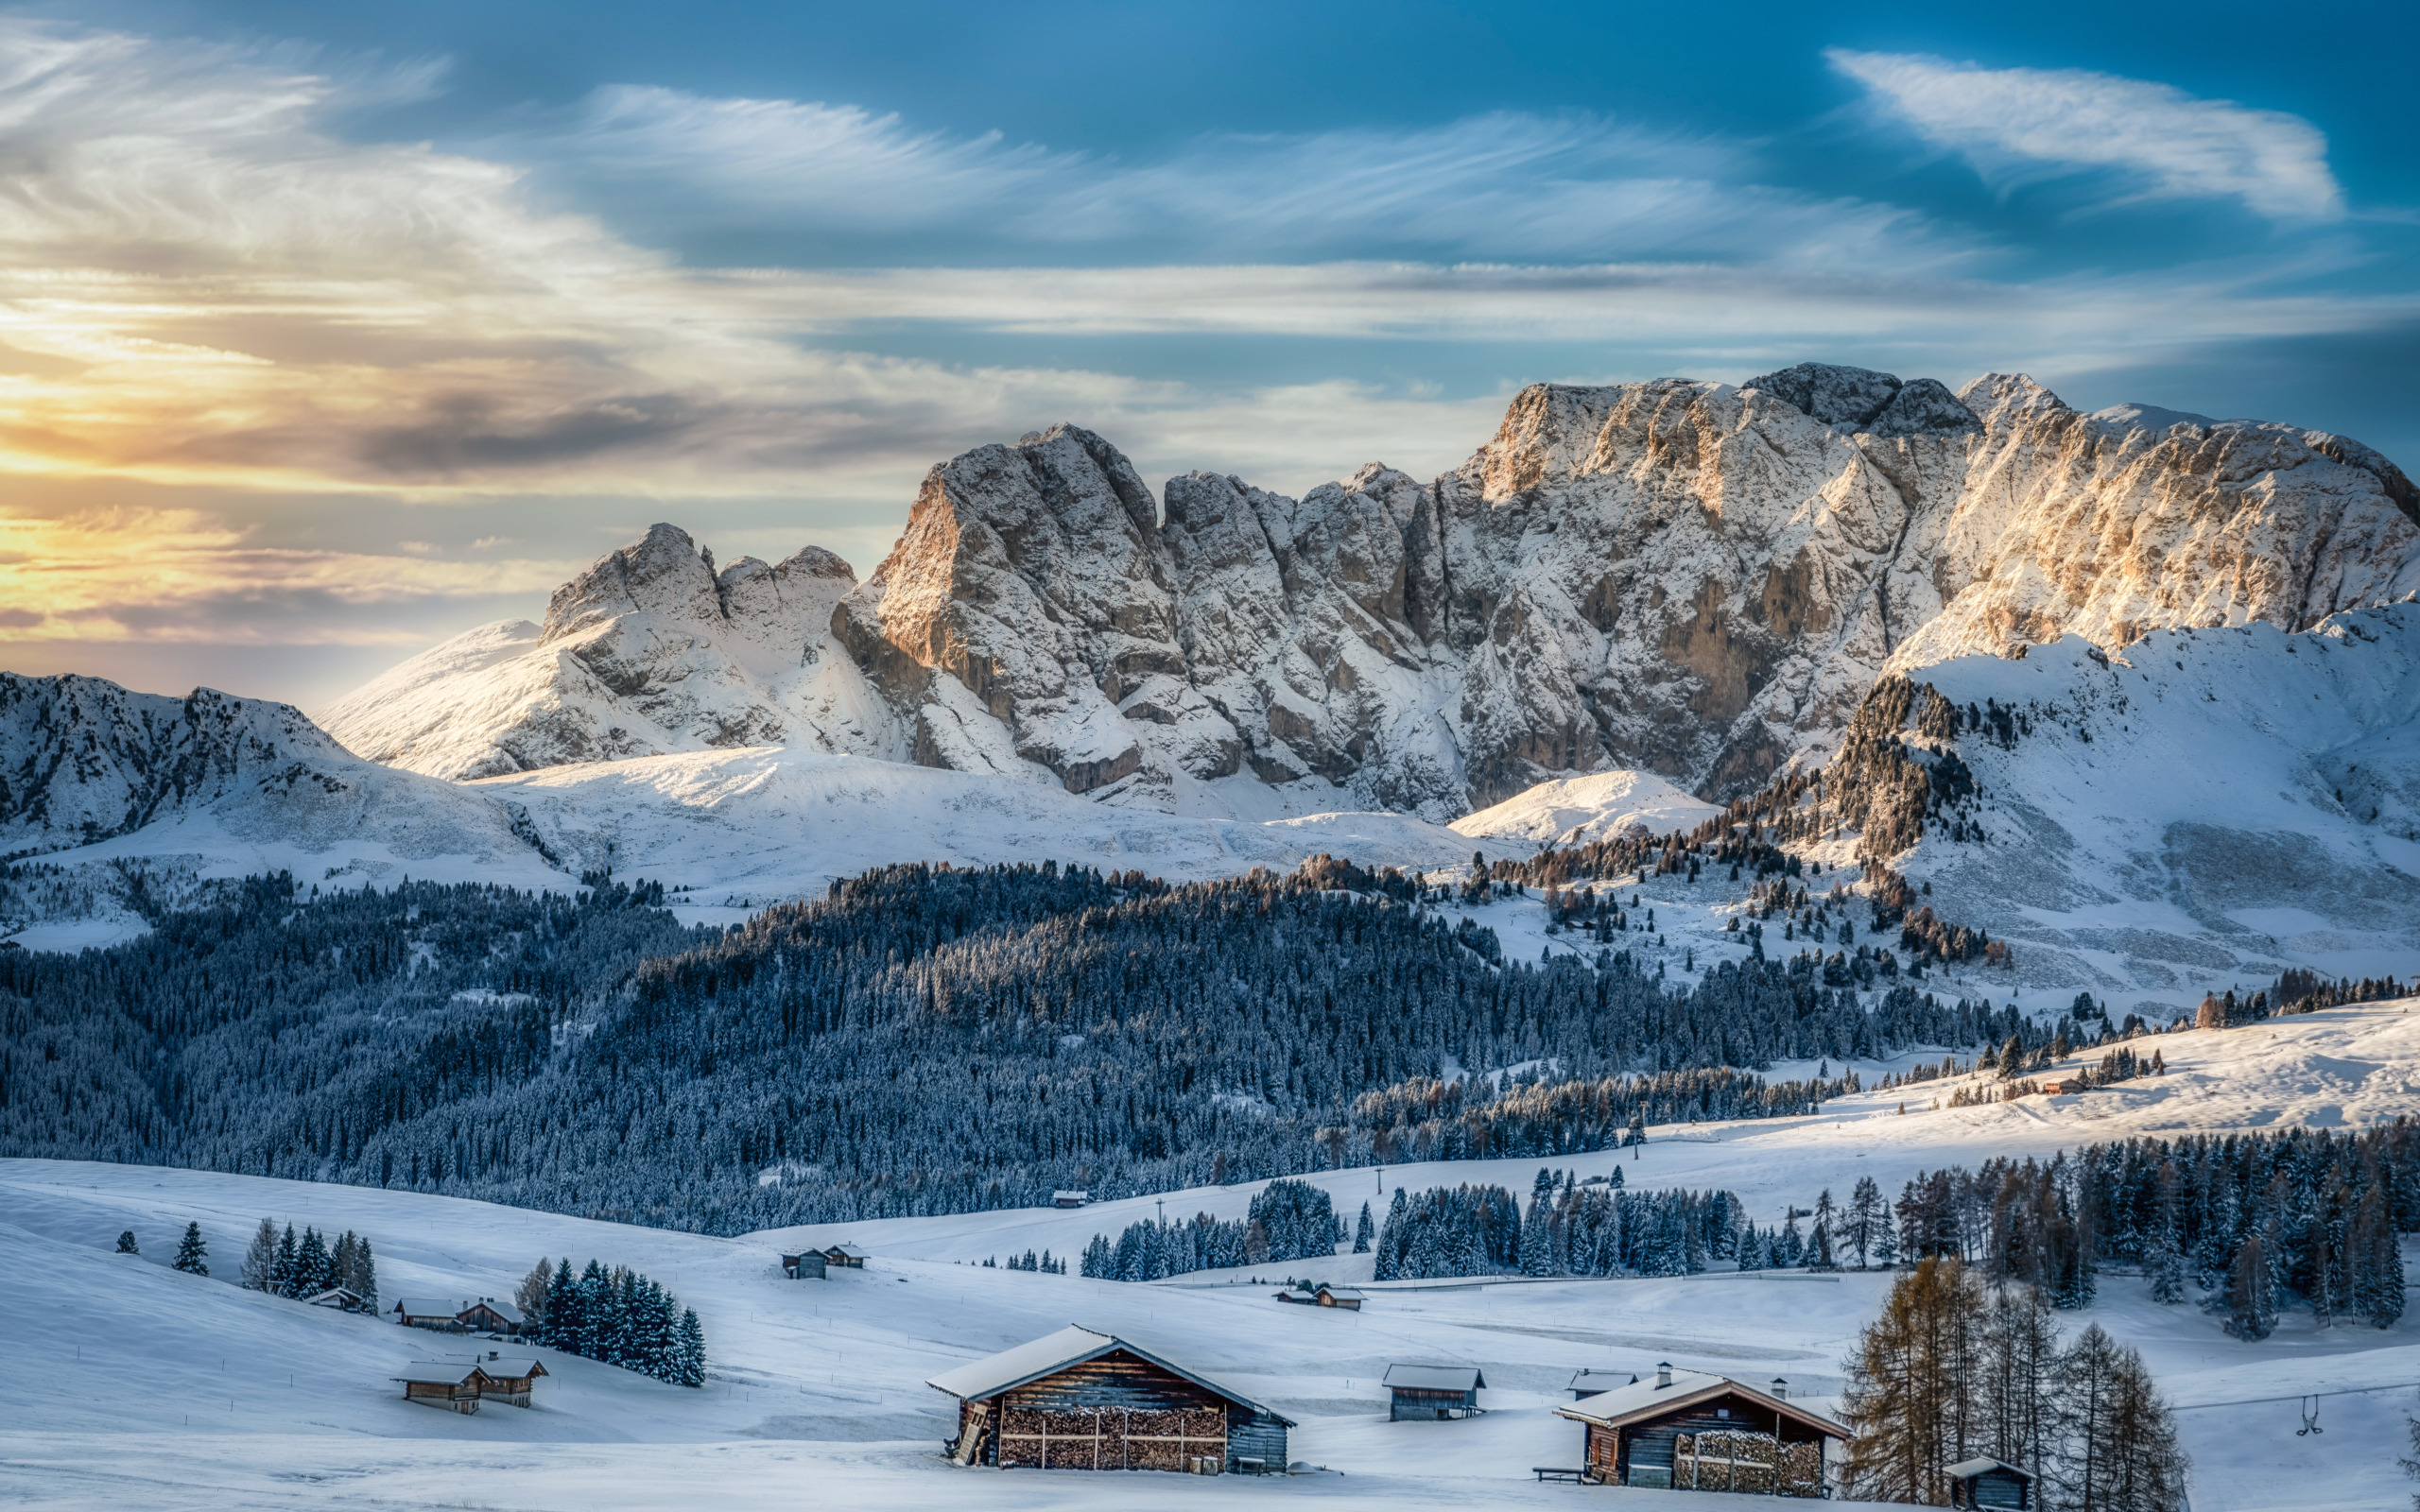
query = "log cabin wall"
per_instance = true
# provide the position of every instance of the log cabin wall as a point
(1648, 1446)
(1122, 1412)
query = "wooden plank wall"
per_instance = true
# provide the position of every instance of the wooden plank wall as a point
(1125, 1414)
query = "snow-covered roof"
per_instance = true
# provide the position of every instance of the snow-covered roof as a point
(850, 1250)
(1648, 1399)
(510, 1367)
(1600, 1380)
(426, 1371)
(337, 1293)
(1342, 1293)
(1978, 1464)
(1435, 1377)
(428, 1306)
(1052, 1352)
(503, 1310)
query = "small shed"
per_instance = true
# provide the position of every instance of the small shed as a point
(2063, 1087)
(485, 1315)
(1079, 1399)
(442, 1314)
(508, 1378)
(1343, 1297)
(341, 1297)
(1424, 1393)
(1070, 1200)
(1989, 1482)
(849, 1256)
(1591, 1383)
(1688, 1429)
(434, 1383)
(808, 1266)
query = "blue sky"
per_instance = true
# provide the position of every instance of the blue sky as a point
(333, 330)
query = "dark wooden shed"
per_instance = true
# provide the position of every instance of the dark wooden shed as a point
(485, 1315)
(452, 1386)
(849, 1256)
(1691, 1431)
(1081, 1399)
(1989, 1482)
(804, 1268)
(1424, 1393)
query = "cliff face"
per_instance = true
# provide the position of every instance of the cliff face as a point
(1686, 577)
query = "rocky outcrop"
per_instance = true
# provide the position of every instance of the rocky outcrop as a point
(1686, 577)
(1690, 578)
(651, 651)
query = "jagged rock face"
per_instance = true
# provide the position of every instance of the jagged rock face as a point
(651, 651)
(1688, 578)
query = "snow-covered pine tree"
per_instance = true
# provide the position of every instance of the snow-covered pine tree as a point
(362, 1276)
(2250, 1297)
(531, 1297)
(125, 1242)
(287, 1253)
(1862, 1220)
(1363, 1232)
(564, 1324)
(310, 1265)
(260, 1261)
(2378, 1258)
(1819, 1234)
(1537, 1236)
(693, 1350)
(193, 1255)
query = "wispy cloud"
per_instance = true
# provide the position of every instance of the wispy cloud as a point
(2010, 120)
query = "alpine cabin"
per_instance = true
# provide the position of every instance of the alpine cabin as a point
(809, 1266)
(1424, 1393)
(846, 1256)
(1685, 1430)
(1083, 1401)
(1989, 1482)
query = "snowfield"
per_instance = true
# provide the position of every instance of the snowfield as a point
(131, 1384)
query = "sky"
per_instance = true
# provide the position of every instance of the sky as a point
(329, 332)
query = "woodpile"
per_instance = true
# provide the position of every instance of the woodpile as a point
(1112, 1438)
(1745, 1461)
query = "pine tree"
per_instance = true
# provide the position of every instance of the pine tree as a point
(532, 1296)
(125, 1242)
(1363, 1232)
(193, 1255)
(1537, 1236)
(1819, 1234)
(288, 1254)
(693, 1350)
(310, 1266)
(2252, 1304)
(564, 1323)
(2378, 1258)
(260, 1261)
(1864, 1221)
(361, 1277)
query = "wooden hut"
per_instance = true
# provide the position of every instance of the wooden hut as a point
(442, 1314)
(1989, 1482)
(1343, 1297)
(342, 1297)
(804, 1268)
(1070, 1200)
(485, 1315)
(507, 1378)
(439, 1385)
(849, 1256)
(1690, 1431)
(1429, 1391)
(1084, 1400)
(1594, 1383)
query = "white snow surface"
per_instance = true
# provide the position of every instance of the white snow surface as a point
(128, 1383)
(1575, 811)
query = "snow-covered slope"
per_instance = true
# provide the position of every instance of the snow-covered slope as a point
(651, 651)
(1573, 811)
(2213, 804)
(130, 1383)
(212, 786)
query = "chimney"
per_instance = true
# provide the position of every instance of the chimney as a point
(1663, 1374)
(1781, 1389)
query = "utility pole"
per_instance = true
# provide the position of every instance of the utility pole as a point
(1382, 1178)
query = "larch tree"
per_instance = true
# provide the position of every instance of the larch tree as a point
(1909, 1384)
(260, 1261)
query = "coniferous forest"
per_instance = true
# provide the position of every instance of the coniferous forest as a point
(921, 1040)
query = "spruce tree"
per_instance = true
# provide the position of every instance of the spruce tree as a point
(2252, 1306)
(693, 1350)
(287, 1253)
(564, 1324)
(531, 1297)
(125, 1242)
(310, 1265)
(362, 1278)
(1363, 1232)
(193, 1255)
(260, 1261)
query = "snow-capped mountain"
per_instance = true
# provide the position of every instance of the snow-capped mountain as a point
(2209, 803)
(1682, 578)
(649, 652)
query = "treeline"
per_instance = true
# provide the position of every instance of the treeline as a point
(1570, 1229)
(617, 1317)
(2247, 1223)
(1286, 1220)
(921, 1040)
(1430, 1118)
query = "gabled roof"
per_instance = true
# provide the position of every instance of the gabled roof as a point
(1346, 1293)
(503, 1310)
(1625, 1405)
(850, 1250)
(1054, 1353)
(432, 1372)
(509, 1369)
(335, 1294)
(1594, 1380)
(1435, 1378)
(1977, 1465)
(428, 1306)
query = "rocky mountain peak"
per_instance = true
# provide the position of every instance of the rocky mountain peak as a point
(661, 573)
(1877, 404)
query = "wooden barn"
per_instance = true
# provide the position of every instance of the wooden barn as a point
(1989, 1482)
(809, 1266)
(848, 1256)
(442, 1314)
(1083, 1401)
(1689, 1431)
(452, 1386)
(507, 1378)
(342, 1297)
(485, 1315)
(1429, 1392)
(1343, 1297)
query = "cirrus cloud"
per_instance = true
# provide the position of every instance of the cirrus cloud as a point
(2175, 143)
